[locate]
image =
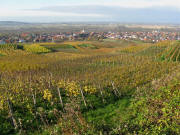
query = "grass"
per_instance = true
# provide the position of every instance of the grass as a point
(60, 47)
(2, 55)
(108, 115)
(87, 46)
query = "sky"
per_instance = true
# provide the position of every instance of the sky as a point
(122, 11)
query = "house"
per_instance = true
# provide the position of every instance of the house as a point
(2, 42)
(21, 41)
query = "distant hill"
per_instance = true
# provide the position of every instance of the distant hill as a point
(12, 23)
(15, 26)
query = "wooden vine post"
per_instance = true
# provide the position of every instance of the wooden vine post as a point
(11, 113)
(83, 97)
(101, 94)
(116, 92)
(60, 97)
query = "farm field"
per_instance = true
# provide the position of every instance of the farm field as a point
(108, 87)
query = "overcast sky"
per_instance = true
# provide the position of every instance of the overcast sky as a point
(131, 11)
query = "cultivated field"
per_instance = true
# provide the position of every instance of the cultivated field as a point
(90, 87)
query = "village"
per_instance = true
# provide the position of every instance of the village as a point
(27, 37)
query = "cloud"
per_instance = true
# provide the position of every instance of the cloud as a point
(138, 3)
(122, 14)
(36, 13)
(102, 10)
(109, 10)
(123, 3)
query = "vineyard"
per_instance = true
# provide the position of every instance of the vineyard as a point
(90, 88)
(172, 53)
(35, 49)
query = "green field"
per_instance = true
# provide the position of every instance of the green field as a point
(109, 87)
